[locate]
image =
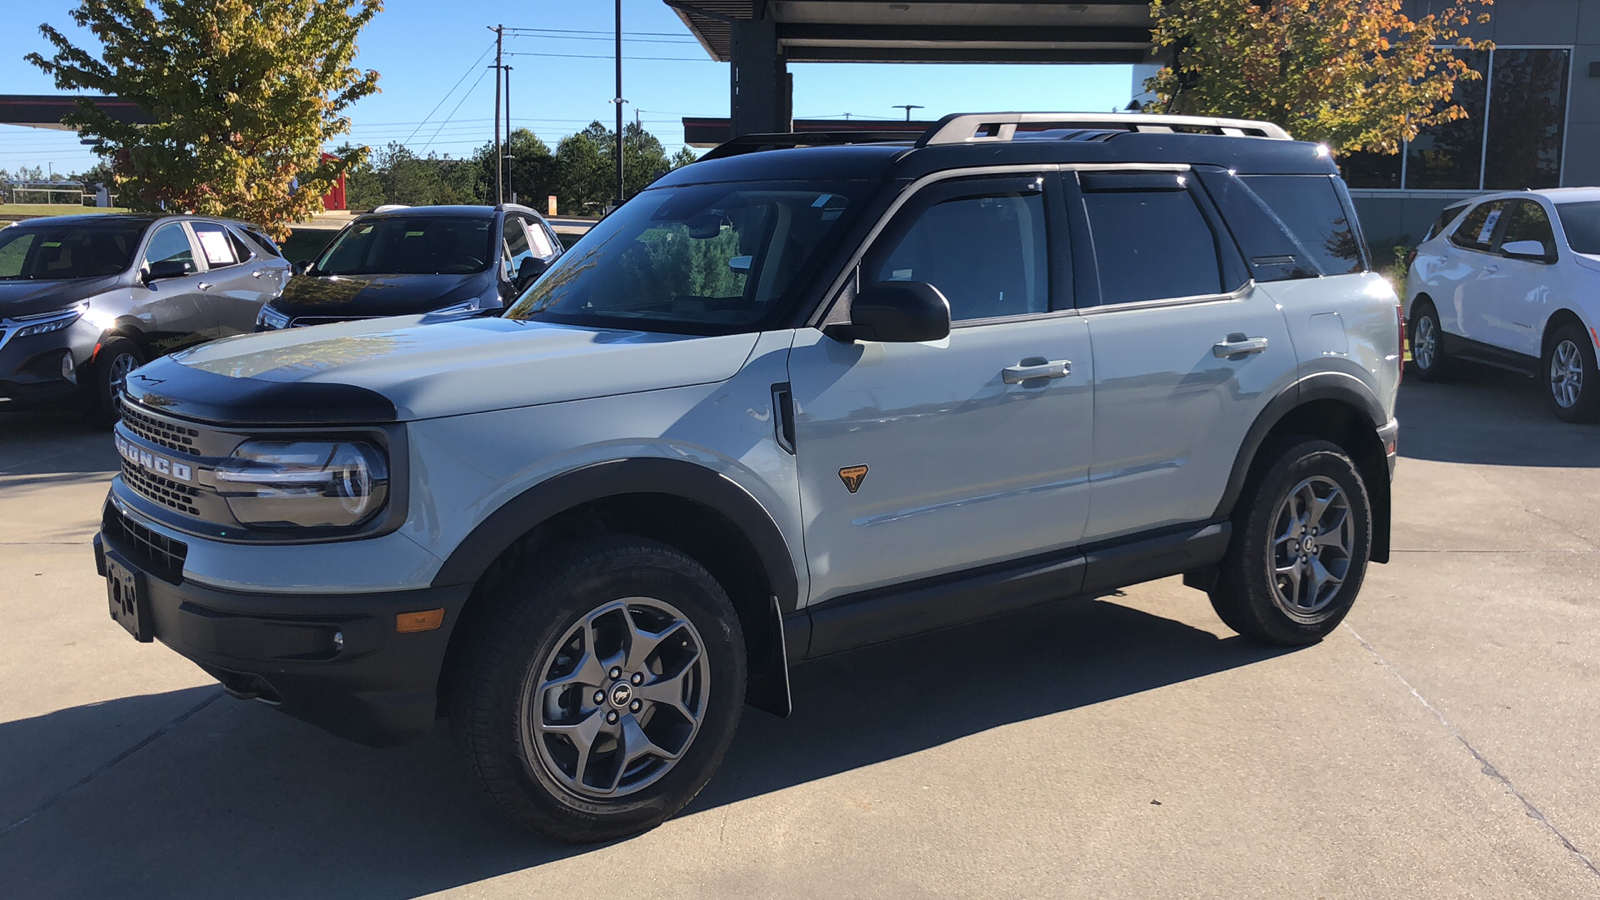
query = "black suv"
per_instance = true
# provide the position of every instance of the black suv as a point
(406, 260)
(84, 300)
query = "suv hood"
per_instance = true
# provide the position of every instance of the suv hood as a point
(356, 296)
(427, 368)
(32, 298)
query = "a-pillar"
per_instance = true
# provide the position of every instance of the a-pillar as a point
(762, 89)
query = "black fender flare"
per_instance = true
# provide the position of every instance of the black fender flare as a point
(764, 629)
(685, 480)
(1325, 385)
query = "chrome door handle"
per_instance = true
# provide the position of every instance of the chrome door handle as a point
(258, 273)
(1036, 367)
(203, 285)
(1238, 345)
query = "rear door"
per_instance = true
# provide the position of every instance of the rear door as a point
(1514, 296)
(1469, 287)
(1187, 351)
(238, 279)
(917, 459)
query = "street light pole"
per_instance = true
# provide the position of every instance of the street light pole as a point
(619, 101)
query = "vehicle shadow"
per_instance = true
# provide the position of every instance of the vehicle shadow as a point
(241, 801)
(1490, 417)
(53, 442)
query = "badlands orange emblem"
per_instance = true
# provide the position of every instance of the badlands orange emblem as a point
(852, 476)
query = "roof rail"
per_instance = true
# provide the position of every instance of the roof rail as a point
(975, 128)
(750, 143)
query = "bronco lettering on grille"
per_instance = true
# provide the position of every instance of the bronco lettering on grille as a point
(152, 462)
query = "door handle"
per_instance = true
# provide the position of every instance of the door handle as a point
(258, 273)
(203, 285)
(1238, 345)
(1036, 367)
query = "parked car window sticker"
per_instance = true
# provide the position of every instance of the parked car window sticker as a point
(1487, 231)
(540, 240)
(215, 245)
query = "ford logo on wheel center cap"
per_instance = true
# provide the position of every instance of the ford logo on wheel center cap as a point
(621, 694)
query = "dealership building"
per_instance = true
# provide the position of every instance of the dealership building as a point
(1533, 118)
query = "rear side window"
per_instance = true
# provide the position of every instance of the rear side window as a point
(1310, 209)
(987, 255)
(1476, 231)
(1446, 216)
(217, 244)
(1151, 245)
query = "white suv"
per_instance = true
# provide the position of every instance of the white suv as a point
(1513, 280)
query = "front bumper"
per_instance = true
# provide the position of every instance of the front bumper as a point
(369, 684)
(31, 369)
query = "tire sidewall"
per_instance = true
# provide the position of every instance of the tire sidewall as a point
(1587, 409)
(104, 401)
(565, 602)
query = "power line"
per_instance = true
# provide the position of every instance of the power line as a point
(449, 92)
(607, 34)
(608, 56)
(463, 99)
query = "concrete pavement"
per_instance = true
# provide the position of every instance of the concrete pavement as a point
(1441, 745)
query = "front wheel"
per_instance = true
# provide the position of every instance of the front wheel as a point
(115, 361)
(602, 689)
(1302, 535)
(1570, 377)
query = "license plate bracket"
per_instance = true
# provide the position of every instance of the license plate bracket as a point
(129, 598)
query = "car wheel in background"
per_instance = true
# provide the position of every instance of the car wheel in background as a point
(601, 687)
(1302, 535)
(1569, 375)
(117, 358)
(1428, 361)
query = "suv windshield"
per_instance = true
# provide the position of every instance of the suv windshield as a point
(698, 259)
(410, 245)
(80, 249)
(1581, 222)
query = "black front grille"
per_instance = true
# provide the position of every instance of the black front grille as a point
(175, 495)
(156, 554)
(168, 434)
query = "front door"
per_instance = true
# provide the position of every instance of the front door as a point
(172, 312)
(1186, 355)
(926, 458)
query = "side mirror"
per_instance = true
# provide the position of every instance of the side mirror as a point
(1534, 250)
(166, 268)
(302, 266)
(529, 271)
(896, 312)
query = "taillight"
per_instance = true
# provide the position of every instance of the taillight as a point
(1411, 257)
(1400, 320)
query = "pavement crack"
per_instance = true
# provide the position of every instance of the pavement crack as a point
(1489, 768)
(148, 739)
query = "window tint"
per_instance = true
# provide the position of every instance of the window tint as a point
(170, 243)
(216, 244)
(410, 245)
(1581, 222)
(1527, 105)
(241, 247)
(516, 245)
(1445, 217)
(1527, 221)
(1151, 245)
(1308, 205)
(987, 255)
(1476, 231)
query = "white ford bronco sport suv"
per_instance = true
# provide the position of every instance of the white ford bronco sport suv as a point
(808, 394)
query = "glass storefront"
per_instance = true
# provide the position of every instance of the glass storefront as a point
(1510, 139)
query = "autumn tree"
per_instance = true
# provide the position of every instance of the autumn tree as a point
(241, 96)
(1358, 75)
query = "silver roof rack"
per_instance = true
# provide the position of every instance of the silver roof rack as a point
(977, 128)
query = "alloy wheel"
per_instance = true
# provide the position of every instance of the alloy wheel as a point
(1566, 374)
(1313, 539)
(620, 699)
(1425, 343)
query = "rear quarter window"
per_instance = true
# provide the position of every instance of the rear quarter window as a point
(1476, 231)
(1309, 207)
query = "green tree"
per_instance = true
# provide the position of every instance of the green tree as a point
(1354, 74)
(243, 95)
(584, 179)
(683, 157)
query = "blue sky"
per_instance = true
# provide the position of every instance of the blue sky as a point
(426, 53)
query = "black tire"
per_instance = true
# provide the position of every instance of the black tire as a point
(1438, 365)
(1569, 375)
(115, 359)
(1249, 595)
(539, 604)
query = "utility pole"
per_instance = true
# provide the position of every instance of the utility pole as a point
(619, 101)
(908, 107)
(510, 183)
(499, 66)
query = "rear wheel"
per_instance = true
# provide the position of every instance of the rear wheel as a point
(602, 690)
(1428, 361)
(115, 361)
(1569, 375)
(1302, 535)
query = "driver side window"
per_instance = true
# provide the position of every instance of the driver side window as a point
(170, 244)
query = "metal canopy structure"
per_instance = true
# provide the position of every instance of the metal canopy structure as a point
(759, 38)
(47, 110)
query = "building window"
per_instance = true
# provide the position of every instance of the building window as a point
(1511, 138)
